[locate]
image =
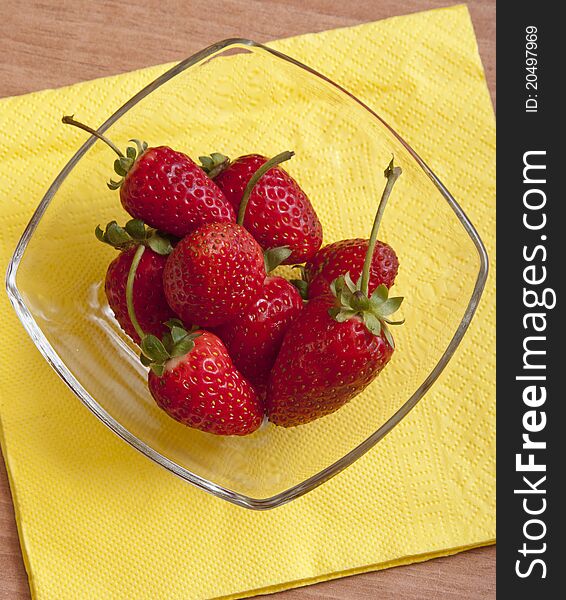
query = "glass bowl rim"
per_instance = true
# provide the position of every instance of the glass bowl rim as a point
(59, 366)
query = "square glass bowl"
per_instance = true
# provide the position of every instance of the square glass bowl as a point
(238, 97)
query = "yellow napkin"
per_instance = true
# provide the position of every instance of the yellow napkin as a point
(98, 520)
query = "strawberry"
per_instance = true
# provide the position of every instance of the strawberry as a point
(254, 337)
(337, 346)
(192, 377)
(347, 256)
(278, 212)
(196, 383)
(148, 296)
(213, 274)
(165, 188)
(322, 365)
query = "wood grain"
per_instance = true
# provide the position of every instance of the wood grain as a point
(49, 43)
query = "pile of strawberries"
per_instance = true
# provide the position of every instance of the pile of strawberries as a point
(227, 343)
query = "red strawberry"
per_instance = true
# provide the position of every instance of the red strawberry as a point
(347, 256)
(338, 345)
(322, 365)
(278, 211)
(254, 337)
(165, 188)
(149, 300)
(213, 274)
(198, 385)
(192, 377)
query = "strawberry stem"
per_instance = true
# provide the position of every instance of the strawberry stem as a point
(130, 290)
(272, 162)
(392, 173)
(70, 120)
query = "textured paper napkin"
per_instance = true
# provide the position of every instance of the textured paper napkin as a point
(98, 520)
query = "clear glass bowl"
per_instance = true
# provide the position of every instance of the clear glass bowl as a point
(237, 97)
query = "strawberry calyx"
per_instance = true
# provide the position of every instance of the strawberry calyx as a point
(301, 284)
(177, 342)
(374, 310)
(273, 257)
(353, 299)
(214, 164)
(302, 287)
(124, 162)
(134, 233)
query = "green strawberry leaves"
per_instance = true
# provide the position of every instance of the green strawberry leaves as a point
(154, 349)
(159, 244)
(177, 342)
(183, 346)
(124, 163)
(133, 234)
(136, 229)
(374, 311)
(380, 294)
(273, 257)
(389, 306)
(353, 299)
(372, 323)
(114, 235)
(178, 331)
(214, 164)
(302, 286)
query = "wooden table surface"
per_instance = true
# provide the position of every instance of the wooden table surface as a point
(50, 43)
